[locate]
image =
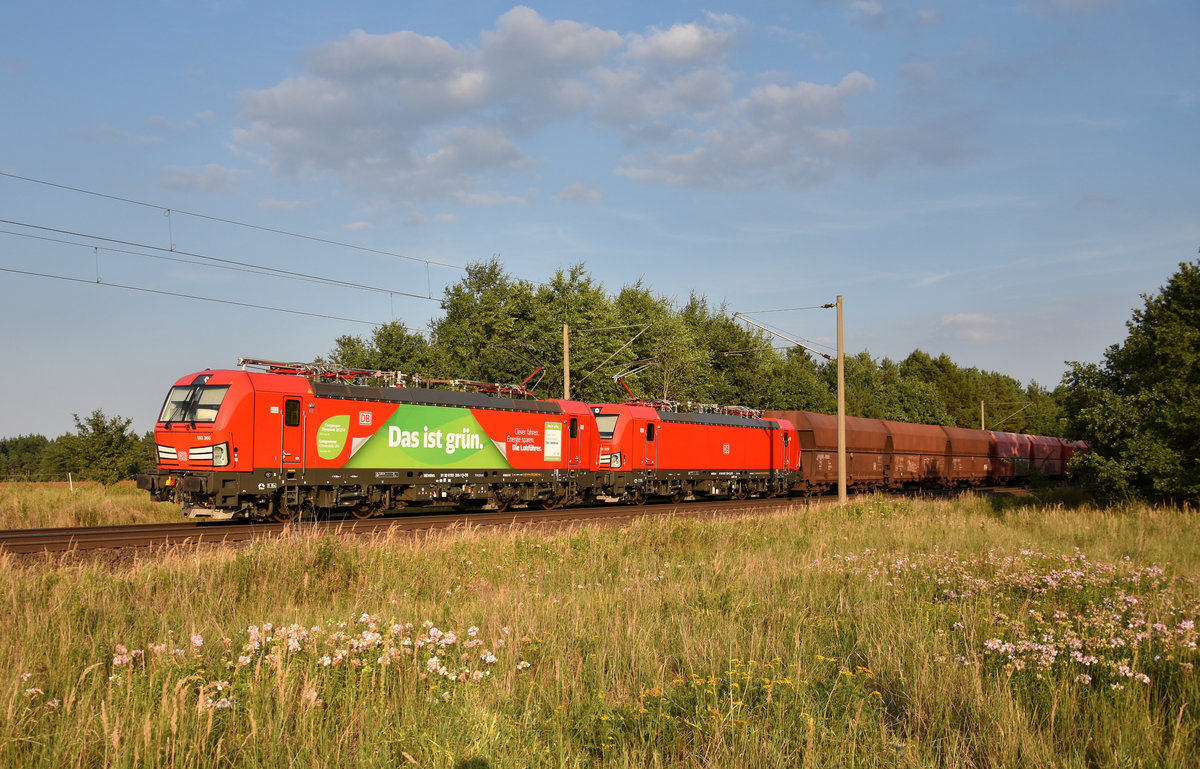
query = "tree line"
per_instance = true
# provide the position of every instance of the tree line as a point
(102, 448)
(498, 328)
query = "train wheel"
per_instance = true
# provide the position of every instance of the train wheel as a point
(550, 503)
(363, 512)
(676, 498)
(738, 493)
(502, 505)
(285, 514)
(639, 498)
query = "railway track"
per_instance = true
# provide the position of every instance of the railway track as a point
(98, 538)
(78, 539)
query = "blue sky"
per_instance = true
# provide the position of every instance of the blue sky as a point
(998, 181)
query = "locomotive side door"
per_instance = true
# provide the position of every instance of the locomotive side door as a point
(651, 433)
(573, 458)
(291, 438)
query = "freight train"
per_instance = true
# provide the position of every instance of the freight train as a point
(271, 441)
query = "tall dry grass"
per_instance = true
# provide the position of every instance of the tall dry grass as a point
(25, 505)
(881, 634)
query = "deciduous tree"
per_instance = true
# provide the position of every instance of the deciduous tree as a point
(1140, 408)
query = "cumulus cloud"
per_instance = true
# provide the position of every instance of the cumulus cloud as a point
(684, 43)
(409, 117)
(866, 12)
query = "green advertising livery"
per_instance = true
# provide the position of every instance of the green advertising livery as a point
(421, 437)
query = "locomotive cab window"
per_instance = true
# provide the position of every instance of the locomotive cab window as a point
(193, 403)
(650, 431)
(606, 424)
(574, 429)
(291, 413)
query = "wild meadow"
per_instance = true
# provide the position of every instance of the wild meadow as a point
(965, 633)
(26, 505)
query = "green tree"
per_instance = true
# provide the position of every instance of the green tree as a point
(883, 392)
(574, 299)
(1140, 409)
(101, 449)
(795, 383)
(488, 317)
(20, 457)
(392, 347)
(739, 360)
(1009, 406)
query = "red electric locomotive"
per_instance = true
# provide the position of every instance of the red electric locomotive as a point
(295, 437)
(651, 450)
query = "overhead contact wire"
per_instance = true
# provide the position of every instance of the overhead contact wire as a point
(192, 296)
(234, 222)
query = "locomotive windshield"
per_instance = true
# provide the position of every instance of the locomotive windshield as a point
(193, 403)
(606, 424)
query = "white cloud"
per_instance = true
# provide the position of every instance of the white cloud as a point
(683, 43)
(868, 13)
(805, 102)
(411, 117)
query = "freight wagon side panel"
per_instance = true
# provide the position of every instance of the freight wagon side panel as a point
(969, 455)
(918, 453)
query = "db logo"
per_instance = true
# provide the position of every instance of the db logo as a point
(364, 417)
(182, 456)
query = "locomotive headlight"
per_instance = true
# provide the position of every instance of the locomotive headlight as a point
(615, 460)
(220, 455)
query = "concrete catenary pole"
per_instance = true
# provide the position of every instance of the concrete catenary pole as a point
(841, 405)
(566, 364)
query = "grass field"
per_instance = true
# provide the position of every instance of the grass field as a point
(47, 505)
(892, 634)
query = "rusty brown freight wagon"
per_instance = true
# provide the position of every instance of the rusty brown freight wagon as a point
(867, 451)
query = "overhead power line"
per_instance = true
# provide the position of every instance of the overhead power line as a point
(791, 309)
(168, 211)
(218, 261)
(144, 290)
